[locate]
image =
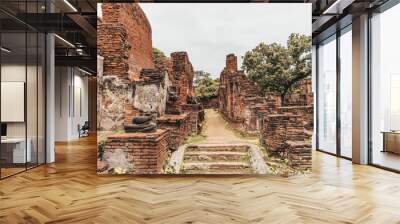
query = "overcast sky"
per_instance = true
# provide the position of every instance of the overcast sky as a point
(208, 32)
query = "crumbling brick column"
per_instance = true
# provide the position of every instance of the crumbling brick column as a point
(178, 126)
(284, 135)
(182, 82)
(238, 98)
(196, 117)
(231, 63)
(135, 153)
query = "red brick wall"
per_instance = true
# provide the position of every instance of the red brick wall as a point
(231, 63)
(285, 131)
(181, 80)
(196, 117)
(145, 152)
(238, 96)
(124, 40)
(285, 134)
(303, 96)
(178, 127)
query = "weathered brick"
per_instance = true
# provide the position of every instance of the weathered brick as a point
(284, 130)
(149, 160)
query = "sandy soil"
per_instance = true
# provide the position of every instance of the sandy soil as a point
(217, 132)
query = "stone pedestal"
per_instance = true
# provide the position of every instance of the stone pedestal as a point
(136, 153)
(178, 128)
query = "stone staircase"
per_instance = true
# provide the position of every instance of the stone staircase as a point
(217, 159)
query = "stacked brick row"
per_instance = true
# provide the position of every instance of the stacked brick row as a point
(178, 127)
(135, 50)
(142, 153)
(286, 131)
(303, 97)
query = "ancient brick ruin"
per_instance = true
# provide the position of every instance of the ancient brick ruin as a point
(183, 116)
(132, 84)
(284, 130)
(140, 152)
(239, 98)
(147, 106)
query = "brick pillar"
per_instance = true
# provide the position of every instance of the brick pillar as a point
(182, 79)
(196, 116)
(231, 63)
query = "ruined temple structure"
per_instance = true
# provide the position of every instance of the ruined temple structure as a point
(239, 98)
(284, 129)
(145, 107)
(183, 116)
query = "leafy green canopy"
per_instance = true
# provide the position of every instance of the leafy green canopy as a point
(206, 88)
(277, 68)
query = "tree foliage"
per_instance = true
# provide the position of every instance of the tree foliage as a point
(277, 68)
(206, 88)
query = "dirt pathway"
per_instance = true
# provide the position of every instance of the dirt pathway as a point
(217, 131)
(223, 151)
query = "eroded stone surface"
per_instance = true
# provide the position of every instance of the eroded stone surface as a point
(152, 97)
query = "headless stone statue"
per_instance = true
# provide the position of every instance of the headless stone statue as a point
(141, 124)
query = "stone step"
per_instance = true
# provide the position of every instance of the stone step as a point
(207, 166)
(216, 156)
(218, 148)
(221, 171)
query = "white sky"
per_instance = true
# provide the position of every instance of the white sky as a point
(208, 32)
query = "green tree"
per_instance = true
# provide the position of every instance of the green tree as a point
(277, 68)
(206, 88)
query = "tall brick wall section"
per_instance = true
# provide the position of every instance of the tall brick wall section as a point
(238, 97)
(181, 80)
(135, 153)
(231, 63)
(124, 40)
